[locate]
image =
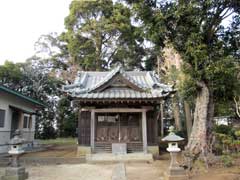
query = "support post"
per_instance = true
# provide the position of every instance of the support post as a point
(144, 130)
(92, 129)
(162, 121)
(79, 126)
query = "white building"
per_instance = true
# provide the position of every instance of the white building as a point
(16, 112)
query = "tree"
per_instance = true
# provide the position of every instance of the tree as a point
(66, 118)
(198, 25)
(195, 29)
(100, 33)
(11, 75)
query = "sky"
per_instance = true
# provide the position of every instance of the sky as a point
(22, 22)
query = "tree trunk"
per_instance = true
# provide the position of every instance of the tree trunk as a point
(176, 114)
(188, 117)
(198, 138)
(210, 138)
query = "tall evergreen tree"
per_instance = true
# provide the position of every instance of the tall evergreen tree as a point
(100, 33)
(195, 29)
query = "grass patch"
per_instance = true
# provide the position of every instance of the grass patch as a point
(60, 141)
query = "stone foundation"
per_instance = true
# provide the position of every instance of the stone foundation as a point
(176, 173)
(15, 173)
(172, 177)
(83, 150)
(111, 158)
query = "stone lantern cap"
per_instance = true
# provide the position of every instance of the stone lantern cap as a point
(16, 140)
(172, 137)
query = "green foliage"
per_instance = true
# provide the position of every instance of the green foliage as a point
(227, 160)
(45, 129)
(11, 74)
(227, 140)
(224, 129)
(100, 33)
(195, 29)
(59, 141)
(66, 118)
(237, 134)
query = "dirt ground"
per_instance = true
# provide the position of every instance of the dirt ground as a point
(55, 151)
(135, 171)
(71, 172)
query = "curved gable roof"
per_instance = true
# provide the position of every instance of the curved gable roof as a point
(139, 84)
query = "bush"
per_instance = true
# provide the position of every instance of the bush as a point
(224, 129)
(227, 160)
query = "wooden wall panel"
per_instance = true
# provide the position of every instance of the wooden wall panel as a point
(152, 128)
(84, 128)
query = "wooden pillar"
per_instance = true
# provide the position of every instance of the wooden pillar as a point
(92, 129)
(144, 130)
(79, 126)
(162, 121)
(155, 127)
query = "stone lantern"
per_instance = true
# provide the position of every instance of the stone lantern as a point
(175, 172)
(16, 171)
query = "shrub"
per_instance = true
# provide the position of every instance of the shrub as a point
(227, 160)
(224, 129)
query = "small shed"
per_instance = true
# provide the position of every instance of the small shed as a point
(17, 111)
(118, 107)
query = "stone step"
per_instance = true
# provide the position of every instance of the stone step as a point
(107, 147)
(112, 158)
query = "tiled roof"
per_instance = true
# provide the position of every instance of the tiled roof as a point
(15, 93)
(86, 85)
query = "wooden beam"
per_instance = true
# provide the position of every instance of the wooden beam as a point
(119, 110)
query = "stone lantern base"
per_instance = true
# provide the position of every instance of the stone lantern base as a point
(15, 173)
(176, 173)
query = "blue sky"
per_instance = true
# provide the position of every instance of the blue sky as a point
(22, 22)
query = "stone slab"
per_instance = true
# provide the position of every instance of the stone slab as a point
(119, 148)
(119, 172)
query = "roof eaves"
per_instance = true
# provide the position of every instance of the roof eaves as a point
(10, 91)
